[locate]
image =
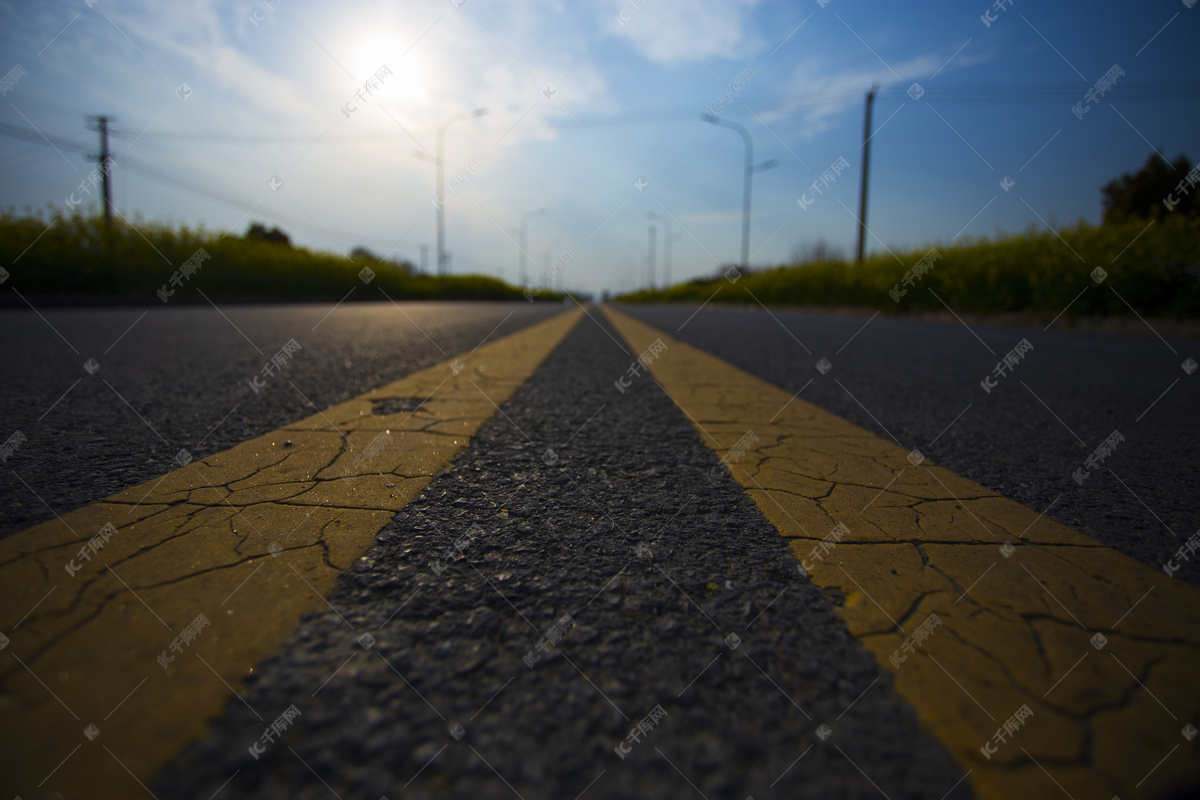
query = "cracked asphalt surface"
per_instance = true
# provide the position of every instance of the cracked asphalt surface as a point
(177, 379)
(918, 383)
(659, 571)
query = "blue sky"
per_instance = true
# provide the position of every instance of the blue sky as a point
(586, 98)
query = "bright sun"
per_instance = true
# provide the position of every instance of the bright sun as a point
(371, 60)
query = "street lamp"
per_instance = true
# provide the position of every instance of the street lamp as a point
(548, 254)
(524, 229)
(440, 162)
(650, 257)
(668, 237)
(751, 168)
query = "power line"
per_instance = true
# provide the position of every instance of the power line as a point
(152, 172)
(947, 94)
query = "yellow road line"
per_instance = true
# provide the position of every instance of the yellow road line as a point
(246, 540)
(1020, 598)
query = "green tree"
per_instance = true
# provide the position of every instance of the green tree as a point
(1141, 194)
(259, 231)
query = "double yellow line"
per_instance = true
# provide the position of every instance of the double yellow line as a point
(1046, 663)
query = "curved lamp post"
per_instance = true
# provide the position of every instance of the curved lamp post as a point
(750, 169)
(441, 182)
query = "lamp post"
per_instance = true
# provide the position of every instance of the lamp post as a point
(668, 237)
(750, 169)
(548, 254)
(650, 257)
(524, 229)
(440, 162)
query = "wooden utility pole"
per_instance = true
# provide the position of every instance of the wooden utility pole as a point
(866, 165)
(102, 123)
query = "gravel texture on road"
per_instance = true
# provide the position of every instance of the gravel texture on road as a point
(177, 379)
(918, 383)
(594, 504)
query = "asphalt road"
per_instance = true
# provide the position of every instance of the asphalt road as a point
(683, 598)
(176, 378)
(918, 383)
(620, 530)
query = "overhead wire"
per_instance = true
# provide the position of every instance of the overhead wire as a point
(949, 94)
(946, 94)
(156, 174)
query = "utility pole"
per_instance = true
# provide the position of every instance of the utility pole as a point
(424, 259)
(866, 165)
(102, 123)
(650, 257)
(523, 230)
(668, 237)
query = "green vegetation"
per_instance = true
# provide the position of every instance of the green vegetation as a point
(1145, 194)
(75, 256)
(1156, 272)
(1148, 251)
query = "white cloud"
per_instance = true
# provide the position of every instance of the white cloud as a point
(824, 91)
(671, 32)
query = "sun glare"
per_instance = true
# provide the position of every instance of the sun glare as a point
(390, 74)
